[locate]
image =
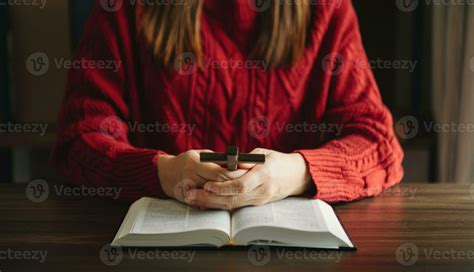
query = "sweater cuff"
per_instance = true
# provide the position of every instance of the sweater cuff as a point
(133, 170)
(137, 170)
(326, 169)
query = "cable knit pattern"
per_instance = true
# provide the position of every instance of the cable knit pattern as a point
(100, 142)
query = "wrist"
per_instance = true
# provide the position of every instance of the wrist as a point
(165, 172)
(304, 180)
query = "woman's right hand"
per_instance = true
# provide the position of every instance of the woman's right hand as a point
(179, 174)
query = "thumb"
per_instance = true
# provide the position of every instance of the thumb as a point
(246, 166)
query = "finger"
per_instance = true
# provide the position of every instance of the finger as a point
(247, 166)
(192, 182)
(203, 151)
(214, 172)
(260, 151)
(210, 171)
(198, 180)
(255, 151)
(230, 175)
(239, 186)
(181, 189)
(203, 198)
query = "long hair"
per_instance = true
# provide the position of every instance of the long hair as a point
(282, 35)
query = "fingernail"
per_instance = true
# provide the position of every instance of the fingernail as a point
(187, 187)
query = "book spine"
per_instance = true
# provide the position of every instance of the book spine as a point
(5, 111)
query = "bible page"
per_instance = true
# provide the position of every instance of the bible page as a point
(291, 213)
(169, 216)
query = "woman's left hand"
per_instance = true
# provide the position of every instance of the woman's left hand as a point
(281, 176)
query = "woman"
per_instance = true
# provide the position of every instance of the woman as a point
(284, 78)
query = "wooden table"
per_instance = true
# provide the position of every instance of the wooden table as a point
(409, 228)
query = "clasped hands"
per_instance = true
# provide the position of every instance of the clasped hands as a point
(208, 185)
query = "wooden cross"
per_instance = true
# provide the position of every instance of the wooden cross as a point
(232, 158)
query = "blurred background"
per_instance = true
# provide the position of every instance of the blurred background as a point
(422, 54)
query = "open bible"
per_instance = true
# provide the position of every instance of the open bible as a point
(292, 222)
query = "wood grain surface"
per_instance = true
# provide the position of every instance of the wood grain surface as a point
(408, 228)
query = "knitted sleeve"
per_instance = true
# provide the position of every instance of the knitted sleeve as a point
(93, 148)
(365, 157)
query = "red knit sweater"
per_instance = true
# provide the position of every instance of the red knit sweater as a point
(115, 121)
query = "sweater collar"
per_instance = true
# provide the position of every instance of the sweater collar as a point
(235, 15)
